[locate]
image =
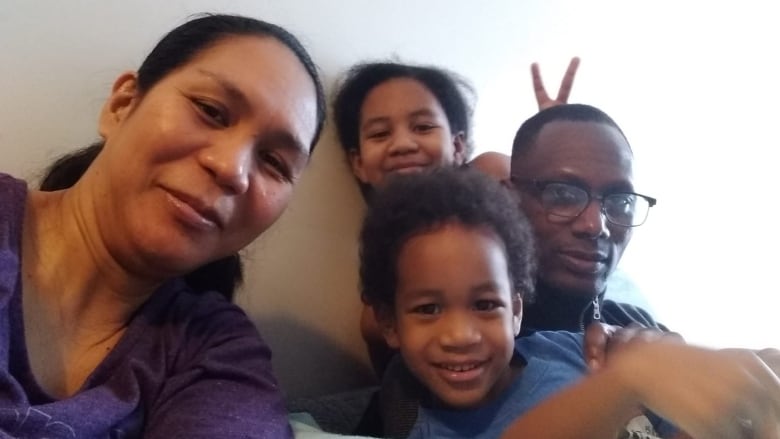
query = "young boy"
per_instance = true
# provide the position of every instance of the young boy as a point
(446, 262)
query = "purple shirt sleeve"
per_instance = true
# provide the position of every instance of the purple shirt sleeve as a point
(222, 384)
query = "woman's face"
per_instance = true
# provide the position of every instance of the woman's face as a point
(206, 160)
(403, 128)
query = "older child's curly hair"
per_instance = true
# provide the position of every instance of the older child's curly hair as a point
(412, 204)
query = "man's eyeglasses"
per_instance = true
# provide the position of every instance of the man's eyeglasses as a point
(567, 200)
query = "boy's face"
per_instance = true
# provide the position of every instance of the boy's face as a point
(456, 315)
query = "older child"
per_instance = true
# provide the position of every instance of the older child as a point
(446, 260)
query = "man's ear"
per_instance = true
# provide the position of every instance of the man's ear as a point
(385, 316)
(356, 161)
(517, 311)
(459, 150)
(124, 97)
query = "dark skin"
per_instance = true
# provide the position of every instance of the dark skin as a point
(604, 342)
(492, 163)
(737, 397)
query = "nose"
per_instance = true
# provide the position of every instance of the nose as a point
(592, 222)
(403, 142)
(230, 162)
(459, 331)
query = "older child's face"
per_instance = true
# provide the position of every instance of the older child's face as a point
(403, 128)
(456, 316)
(205, 160)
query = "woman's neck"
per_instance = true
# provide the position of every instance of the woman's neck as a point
(68, 267)
(77, 300)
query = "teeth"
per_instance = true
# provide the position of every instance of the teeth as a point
(459, 367)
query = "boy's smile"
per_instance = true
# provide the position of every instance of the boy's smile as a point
(456, 314)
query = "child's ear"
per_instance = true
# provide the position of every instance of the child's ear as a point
(385, 316)
(124, 97)
(517, 311)
(356, 161)
(459, 151)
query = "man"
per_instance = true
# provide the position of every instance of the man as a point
(572, 168)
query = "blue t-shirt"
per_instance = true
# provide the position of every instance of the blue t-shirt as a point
(187, 366)
(554, 361)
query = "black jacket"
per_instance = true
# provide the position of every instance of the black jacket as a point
(558, 313)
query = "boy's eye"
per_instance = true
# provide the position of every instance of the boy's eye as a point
(213, 113)
(487, 305)
(428, 308)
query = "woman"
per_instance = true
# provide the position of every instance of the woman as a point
(201, 149)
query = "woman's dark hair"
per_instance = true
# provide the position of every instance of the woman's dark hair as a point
(409, 205)
(223, 275)
(174, 50)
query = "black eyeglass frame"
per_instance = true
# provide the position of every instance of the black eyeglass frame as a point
(540, 185)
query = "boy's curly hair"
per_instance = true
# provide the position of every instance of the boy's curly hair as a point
(409, 205)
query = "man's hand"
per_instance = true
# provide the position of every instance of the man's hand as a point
(542, 98)
(602, 340)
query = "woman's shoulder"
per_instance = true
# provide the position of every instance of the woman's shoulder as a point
(188, 329)
(176, 304)
(8, 179)
(12, 195)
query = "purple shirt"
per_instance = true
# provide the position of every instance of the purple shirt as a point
(187, 366)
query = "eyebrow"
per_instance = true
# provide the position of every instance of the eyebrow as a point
(485, 287)
(422, 112)
(417, 113)
(233, 92)
(611, 187)
(424, 293)
(286, 139)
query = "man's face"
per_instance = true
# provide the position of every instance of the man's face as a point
(576, 255)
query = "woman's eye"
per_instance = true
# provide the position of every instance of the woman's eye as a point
(428, 309)
(213, 113)
(277, 165)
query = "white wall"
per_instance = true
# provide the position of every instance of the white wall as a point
(693, 85)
